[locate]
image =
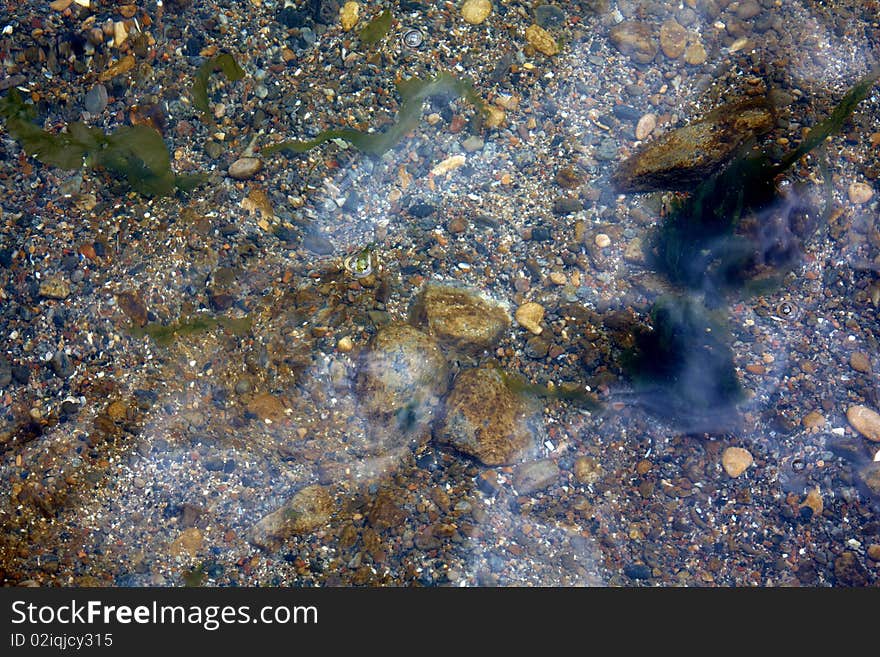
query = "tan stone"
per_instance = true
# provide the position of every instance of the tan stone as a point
(860, 361)
(865, 421)
(860, 193)
(349, 15)
(645, 126)
(476, 11)
(813, 420)
(529, 316)
(189, 542)
(695, 54)
(541, 40)
(673, 39)
(736, 460)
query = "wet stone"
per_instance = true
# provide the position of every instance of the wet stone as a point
(309, 509)
(245, 168)
(860, 362)
(549, 16)
(565, 205)
(484, 418)
(864, 420)
(533, 476)
(5, 372)
(460, 318)
(673, 39)
(637, 571)
(55, 287)
(635, 39)
(96, 99)
(403, 372)
(679, 159)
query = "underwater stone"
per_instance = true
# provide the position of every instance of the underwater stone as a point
(866, 421)
(403, 373)
(485, 418)
(245, 167)
(535, 475)
(460, 318)
(55, 287)
(476, 11)
(680, 159)
(634, 39)
(309, 509)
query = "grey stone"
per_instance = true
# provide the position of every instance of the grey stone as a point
(535, 475)
(96, 99)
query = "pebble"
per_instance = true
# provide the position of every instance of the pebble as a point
(673, 39)
(473, 143)
(96, 99)
(637, 571)
(476, 11)
(549, 16)
(646, 126)
(484, 418)
(587, 470)
(603, 240)
(565, 205)
(813, 501)
(460, 318)
(344, 344)
(267, 406)
(309, 509)
(736, 460)
(864, 420)
(860, 361)
(349, 14)
(541, 40)
(813, 420)
(245, 168)
(635, 39)
(189, 542)
(695, 54)
(535, 475)
(874, 552)
(55, 287)
(860, 193)
(529, 316)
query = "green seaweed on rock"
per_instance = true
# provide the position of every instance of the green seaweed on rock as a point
(376, 29)
(701, 242)
(224, 63)
(413, 91)
(136, 153)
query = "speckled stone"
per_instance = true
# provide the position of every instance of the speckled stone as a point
(309, 509)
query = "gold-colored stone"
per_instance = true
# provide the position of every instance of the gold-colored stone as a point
(529, 316)
(541, 40)
(349, 15)
(476, 11)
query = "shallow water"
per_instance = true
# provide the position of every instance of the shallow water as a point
(129, 459)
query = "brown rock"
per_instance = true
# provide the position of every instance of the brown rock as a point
(864, 420)
(267, 406)
(849, 571)
(460, 318)
(587, 470)
(529, 316)
(635, 39)
(189, 542)
(541, 40)
(55, 287)
(736, 460)
(533, 476)
(695, 54)
(484, 418)
(860, 361)
(309, 509)
(680, 159)
(245, 167)
(133, 306)
(673, 39)
(813, 420)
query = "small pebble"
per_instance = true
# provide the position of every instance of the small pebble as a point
(736, 460)
(476, 11)
(602, 240)
(349, 14)
(345, 344)
(529, 316)
(695, 54)
(860, 193)
(541, 40)
(813, 420)
(646, 126)
(245, 168)
(860, 362)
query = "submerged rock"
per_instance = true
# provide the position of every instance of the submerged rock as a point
(485, 418)
(535, 475)
(680, 159)
(307, 510)
(402, 376)
(636, 40)
(460, 318)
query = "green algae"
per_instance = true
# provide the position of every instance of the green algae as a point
(376, 29)
(518, 385)
(135, 153)
(413, 91)
(224, 63)
(700, 244)
(165, 334)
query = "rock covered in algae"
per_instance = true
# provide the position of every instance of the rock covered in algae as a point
(460, 318)
(402, 374)
(309, 509)
(680, 159)
(485, 419)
